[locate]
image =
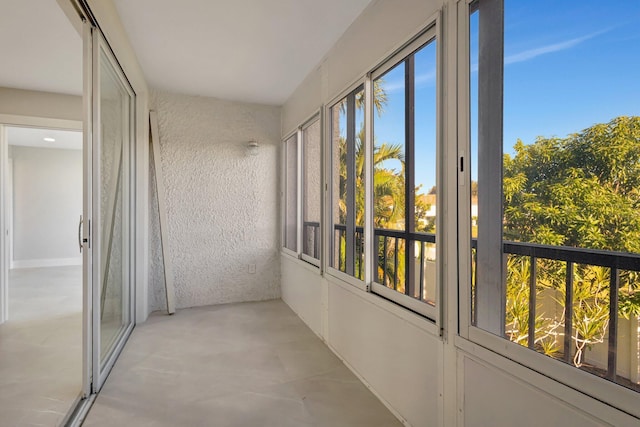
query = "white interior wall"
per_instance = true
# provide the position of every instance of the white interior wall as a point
(303, 292)
(47, 204)
(423, 378)
(222, 202)
(524, 405)
(29, 103)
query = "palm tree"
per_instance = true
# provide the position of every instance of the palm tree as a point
(388, 185)
(388, 188)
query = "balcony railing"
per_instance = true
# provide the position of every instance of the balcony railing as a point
(340, 235)
(614, 261)
(390, 242)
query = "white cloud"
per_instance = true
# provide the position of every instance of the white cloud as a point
(543, 50)
(426, 78)
(420, 80)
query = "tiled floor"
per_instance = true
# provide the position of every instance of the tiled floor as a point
(241, 365)
(41, 346)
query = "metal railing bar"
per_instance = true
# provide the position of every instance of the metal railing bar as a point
(316, 242)
(384, 259)
(568, 312)
(420, 237)
(395, 262)
(532, 302)
(613, 324)
(359, 252)
(422, 249)
(341, 261)
(620, 260)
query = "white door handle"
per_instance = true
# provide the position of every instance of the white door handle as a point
(80, 234)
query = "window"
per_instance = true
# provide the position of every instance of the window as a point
(405, 184)
(302, 179)
(348, 184)
(290, 229)
(312, 191)
(555, 154)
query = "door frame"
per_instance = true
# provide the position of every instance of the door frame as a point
(85, 16)
(8, 120)
(103, 16)
(96, 232)
(100, 16)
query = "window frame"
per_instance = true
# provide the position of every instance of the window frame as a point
(610, 393)
(315, 118)
(353, 88)
(283, 195)
(431, 32)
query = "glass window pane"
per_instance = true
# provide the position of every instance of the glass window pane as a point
(425, 173)
(115, 127)
(389, 181)
(389, 150)
(359, 172)
(339, 183)
(570, 174)
(291, 193)
(405, 187)
(347, 141)
(312, 190)
(473, 133)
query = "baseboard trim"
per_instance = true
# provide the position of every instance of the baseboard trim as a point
(46, 262)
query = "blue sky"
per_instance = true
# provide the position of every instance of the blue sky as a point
(568, 65)
(389, 127)
(570, 69)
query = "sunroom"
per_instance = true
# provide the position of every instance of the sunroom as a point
(322, 213)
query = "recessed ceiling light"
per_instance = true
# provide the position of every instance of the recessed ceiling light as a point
(48, 139)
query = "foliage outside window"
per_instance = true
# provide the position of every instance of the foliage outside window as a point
(405, 177)
(570, 179)
(347, 184)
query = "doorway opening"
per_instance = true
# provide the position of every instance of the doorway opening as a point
(42, 331)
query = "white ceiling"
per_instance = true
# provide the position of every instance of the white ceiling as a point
(34, 137)
(39, 48)
(245, 50)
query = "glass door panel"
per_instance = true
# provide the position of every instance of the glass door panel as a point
(112, 195)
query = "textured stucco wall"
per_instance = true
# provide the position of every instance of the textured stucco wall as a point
(222, 203)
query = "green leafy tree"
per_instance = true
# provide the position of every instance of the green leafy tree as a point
(580, 191)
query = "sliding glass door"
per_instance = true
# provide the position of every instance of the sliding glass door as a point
(111, 209)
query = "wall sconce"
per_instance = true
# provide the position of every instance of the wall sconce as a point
(252, 148)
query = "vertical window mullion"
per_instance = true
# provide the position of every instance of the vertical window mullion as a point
(351, 185)
(491, 285)
(409, 213)
(369, 237)
(300, 189)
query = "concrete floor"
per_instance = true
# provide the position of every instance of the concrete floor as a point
(41, 346)
(241, 365)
